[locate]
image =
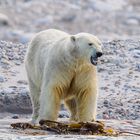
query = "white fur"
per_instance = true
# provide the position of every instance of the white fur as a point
(59, 68)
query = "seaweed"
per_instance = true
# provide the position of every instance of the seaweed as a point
(79, 128)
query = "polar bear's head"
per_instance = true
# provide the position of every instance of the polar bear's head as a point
(87, 47)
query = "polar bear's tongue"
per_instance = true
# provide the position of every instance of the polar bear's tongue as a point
(94, 60)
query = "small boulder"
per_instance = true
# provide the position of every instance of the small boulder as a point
(4, 20)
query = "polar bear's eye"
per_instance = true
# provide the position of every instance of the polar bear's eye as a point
(90, 44)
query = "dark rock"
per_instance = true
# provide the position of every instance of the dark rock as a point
(15, 117)
(22, 82)
(106, 103)
(68, 18)
(137, 67)
(4, 20)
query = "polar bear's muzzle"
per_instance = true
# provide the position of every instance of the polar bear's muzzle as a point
(94, 58)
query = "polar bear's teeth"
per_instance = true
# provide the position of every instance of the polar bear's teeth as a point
(94, 60)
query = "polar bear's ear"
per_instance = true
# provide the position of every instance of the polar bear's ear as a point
(73, 39)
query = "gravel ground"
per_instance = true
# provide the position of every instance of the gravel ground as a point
(118, 70)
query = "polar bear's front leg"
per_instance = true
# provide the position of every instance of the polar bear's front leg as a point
(87, 103)
(49, 104)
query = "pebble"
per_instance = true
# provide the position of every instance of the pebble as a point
(132, 22)
(105, 116)
(99, 116)
(17, 62)
(9, 91)
(107, 6)
(63, 114)
(44, 20)
(2, 79)
(22, 82)
(23, 92)
(13, 87)
(1, 92)
(4, 61)
(68, 18)
(15, 117)
(106, 103)
(136, 53)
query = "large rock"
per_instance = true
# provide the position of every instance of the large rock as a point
(4, 20)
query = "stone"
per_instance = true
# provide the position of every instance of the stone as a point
(15, 116)
(136, 53)
(69, 18)
(137, 67)
(17, 62)
(108, 5)
(8, 91)
(44, 21)
(63, 114)
(22, 82)
(107, 103)
(4, 20)
(99, 116)
(105, 116)
(2, 79)
(132, 21)
(5, 62)
(23, 92)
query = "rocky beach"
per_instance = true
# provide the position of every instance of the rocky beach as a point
(118, 70)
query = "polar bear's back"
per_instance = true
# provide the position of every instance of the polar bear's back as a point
(38, 49)
(50, 35)
(44, 39)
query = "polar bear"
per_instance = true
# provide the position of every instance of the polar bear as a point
(60, 67)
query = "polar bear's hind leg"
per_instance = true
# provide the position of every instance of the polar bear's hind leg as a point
(34, 94)
(49, 103)
(72, 106)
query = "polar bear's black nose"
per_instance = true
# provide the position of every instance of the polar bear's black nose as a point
(99, 54)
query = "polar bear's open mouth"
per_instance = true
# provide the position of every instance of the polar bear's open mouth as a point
(94, 60)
